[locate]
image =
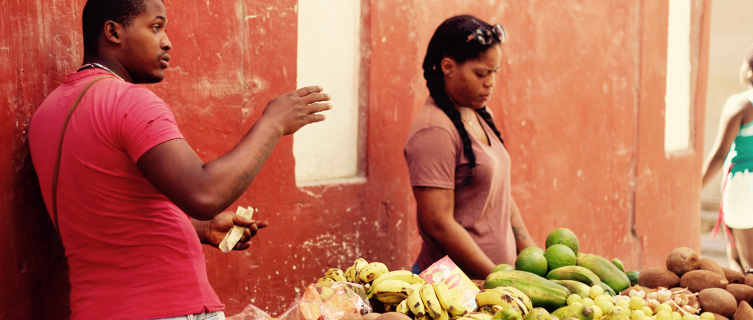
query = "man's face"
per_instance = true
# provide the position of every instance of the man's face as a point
(146, 45)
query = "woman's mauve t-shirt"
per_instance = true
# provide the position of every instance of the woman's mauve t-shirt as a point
(132, 253)
(435, 157)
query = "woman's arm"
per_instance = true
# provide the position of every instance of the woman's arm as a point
(435, 214)
(522, 238)
(729, 126)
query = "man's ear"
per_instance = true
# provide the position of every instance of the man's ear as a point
(113, 31)
(448, 66)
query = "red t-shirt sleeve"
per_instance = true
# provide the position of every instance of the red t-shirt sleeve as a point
(146, 122)
(431, 155)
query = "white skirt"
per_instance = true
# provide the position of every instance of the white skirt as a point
(737, 200)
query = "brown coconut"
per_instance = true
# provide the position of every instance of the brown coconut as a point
(682, 260)
(710, 265)
(371, 316)
(740, 291)
(658, 277)
(718, 301)
(733, 276)
(393, 316)
(352, 316)
(719, 317)
(744, 312)
(698, 280)
(749, 280)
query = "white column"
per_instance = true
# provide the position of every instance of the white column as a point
(329, 55)
(677, 127)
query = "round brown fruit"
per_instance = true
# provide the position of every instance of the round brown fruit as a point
(718, 301)
(682, 260)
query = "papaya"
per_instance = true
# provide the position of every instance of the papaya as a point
(575, 287)
(574, 273)
(574, 312)
(605, 270)
(618, 263)
(538, 314)
(607, 289)
(542, 292)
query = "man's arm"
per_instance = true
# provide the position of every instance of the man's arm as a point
(203, 190)
(522, 238)
(212, 232)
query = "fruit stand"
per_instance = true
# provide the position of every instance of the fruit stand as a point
(557, 282)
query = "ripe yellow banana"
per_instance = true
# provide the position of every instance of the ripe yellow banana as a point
(325, 292)
(403, 307)
(448, 302)
(477, 316)
(335, 273)
(371, 271)
(391, 299)
(392, 287)
(359, 263)
(444, 315)
(325, 279)
(416, 305)
(519, 295)
(487, 309)
(402, 275)
(429, 297)
(496, 308)
(492, 297)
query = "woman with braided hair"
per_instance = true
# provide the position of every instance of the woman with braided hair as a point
(459, 168)
(733, 152)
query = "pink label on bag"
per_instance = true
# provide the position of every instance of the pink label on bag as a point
(461, 287)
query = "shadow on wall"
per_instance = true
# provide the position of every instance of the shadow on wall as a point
(41, 283)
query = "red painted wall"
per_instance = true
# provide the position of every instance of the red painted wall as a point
(579, 100)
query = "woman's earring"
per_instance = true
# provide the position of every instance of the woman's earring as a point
(750, 74)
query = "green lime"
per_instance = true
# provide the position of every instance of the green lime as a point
(532, 260)
(563, 236)
(559, 255)
(503, 267)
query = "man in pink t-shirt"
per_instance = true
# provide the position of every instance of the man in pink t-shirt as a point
(134, 201)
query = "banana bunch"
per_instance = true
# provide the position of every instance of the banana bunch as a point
(475, 316)
(361, 272)
(491, 301)
(427, 301)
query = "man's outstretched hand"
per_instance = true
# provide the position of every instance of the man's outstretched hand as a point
(213, 231)
(293, 110)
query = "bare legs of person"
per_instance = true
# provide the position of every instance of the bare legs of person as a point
(741, 256)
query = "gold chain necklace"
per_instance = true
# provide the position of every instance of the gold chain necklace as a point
(97, 65)
(469, 122)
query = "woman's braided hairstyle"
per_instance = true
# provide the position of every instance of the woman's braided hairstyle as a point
(450, 40)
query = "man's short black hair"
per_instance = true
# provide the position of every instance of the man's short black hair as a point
(97, 12)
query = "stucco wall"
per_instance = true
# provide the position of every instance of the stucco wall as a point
(580, 102)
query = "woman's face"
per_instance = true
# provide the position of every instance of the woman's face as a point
(745, 74)
(470, 84)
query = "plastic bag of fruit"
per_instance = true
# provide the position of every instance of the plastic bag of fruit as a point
(251, 312)
(328, 301)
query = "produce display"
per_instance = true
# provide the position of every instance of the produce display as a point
(560, 282)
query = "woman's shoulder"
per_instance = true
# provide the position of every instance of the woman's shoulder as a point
(740, 104)
(432, 118)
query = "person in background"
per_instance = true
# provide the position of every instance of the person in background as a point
(459, 168)
(134, 201)
(733, 154)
